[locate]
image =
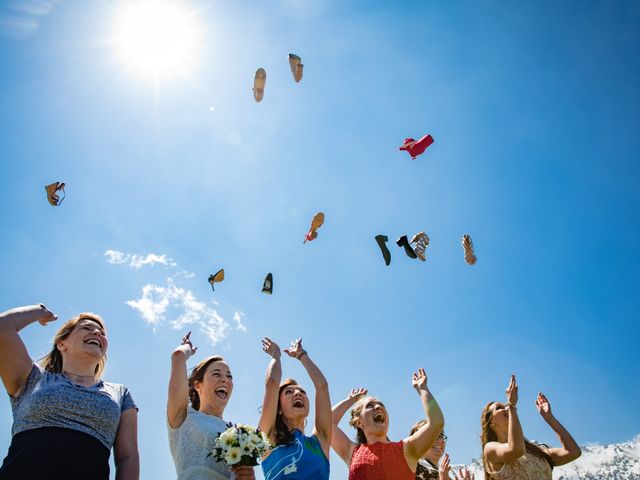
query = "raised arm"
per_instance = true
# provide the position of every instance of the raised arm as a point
(498, 453)
(267, 421)
(416, 445)
(339, 440)
(15, 362)
(323, 423)
(178, 397)
(569, 450)
(125, 448)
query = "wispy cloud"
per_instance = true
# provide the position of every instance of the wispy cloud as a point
(22, 18)
(179, 308)
(137, 261)
(237, 317)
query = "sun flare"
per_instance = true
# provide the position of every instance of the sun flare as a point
(157, 38)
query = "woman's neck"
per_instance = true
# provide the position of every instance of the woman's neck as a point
(432, 460)
(502, 437)
(295, 423)
(377, 438)
(80, 372)
(211, 409)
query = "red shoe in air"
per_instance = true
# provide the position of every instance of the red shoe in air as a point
(416, 148)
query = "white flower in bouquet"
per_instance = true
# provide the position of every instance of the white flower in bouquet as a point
(227, 439)
(240, 445)
(233, 455)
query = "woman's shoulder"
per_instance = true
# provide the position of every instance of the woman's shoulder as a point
(118, 392)
(119, 388)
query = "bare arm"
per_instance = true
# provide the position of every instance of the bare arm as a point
(323, 422)
(498, 453)
(420, 442)
(178, 397)
(125, 448)
(339, 440)
(15, 362)
(267, 421)
(570, 449)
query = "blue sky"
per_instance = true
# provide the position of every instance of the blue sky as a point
(534, 109)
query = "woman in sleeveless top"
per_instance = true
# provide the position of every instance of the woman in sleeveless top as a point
(195, 407)
(66, 420)
(506, 453)
(285, 409)
(373, 456)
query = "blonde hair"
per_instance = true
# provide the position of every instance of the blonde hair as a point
(52, 362)
(197, 375)
(417, 426)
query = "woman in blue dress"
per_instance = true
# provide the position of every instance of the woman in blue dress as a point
(285, 409)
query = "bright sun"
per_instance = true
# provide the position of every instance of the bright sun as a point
(157, 38)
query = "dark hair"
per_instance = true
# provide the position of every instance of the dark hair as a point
(197, 375)
(283, 435)
(488, 435)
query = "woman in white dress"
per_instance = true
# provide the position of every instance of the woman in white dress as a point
(195, 408)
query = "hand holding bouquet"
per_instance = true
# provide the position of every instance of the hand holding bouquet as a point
(240, 445)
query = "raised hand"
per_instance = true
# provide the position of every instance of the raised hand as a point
(419, 380)
(512, 392)
(271, 348)
(464, 474)
(357, 393)
(46, 315)
(543, 406)
(295, 350)
(443, 469)
(186, 340)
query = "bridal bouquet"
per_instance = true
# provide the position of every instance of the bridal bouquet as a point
(240, 445)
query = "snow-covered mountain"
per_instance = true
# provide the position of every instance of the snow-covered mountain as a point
(620, 461)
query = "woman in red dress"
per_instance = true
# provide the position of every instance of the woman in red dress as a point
(373, 456)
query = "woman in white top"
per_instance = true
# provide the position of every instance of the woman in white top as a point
(195, 407)
(507, 455)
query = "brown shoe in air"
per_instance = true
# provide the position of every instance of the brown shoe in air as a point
(467, 245)
(52, 193)
(216, 278)
(295, 62)
(259, 81)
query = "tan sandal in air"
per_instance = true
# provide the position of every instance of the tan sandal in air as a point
(316, 223)
(467, 245)
(295, 62)
(259, 81)
(421, 242)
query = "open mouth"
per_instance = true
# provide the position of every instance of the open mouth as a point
(298, 403)
(378, 417)
(222, 393)
(94, 341)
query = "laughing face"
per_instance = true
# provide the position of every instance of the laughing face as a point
(373, 418)
(437, 450)
(87, 338)
(216, 385)
(294, 403)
